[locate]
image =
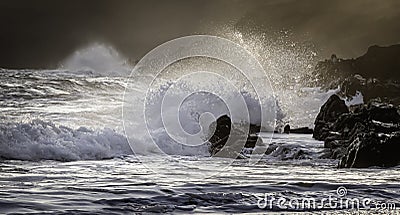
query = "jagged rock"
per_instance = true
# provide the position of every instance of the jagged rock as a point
(375, 74)
(367, 136)
(329, 113)
(372, 149)
(371, 88)
(228, 139)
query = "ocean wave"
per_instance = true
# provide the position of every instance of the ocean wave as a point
(40, 140)
(98, 59)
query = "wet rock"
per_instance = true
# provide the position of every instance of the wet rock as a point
(228, 139)
(286, 129)
(302, 130)
(372, 149)
(221, 130)
(367, 136)
(252, 140)
(287, 151)
(329, 113)
(375, 74)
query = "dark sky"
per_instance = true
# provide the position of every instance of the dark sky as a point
(41, 33)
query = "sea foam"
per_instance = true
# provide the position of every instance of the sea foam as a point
(39, 140)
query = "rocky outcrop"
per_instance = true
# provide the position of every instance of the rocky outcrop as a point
(329, 113)
(368, 135)
(375, 74)
(228, 139)
(301, 130)
(372, 149)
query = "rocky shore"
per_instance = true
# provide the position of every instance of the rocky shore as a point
(374, 75)
(360, 136)
(364, 135)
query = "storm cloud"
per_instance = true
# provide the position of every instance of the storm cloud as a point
(41, 33)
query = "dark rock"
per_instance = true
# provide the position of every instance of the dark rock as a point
(302, 130)
(252, 140)
(286, 129)
(372, 149)
(329, 113)
(228, 139)
(375, 74)
(367, 136)
(271, 148)
(287, 151)
(221, 129)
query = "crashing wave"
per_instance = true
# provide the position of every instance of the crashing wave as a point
(39, 140)
(97, 59)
